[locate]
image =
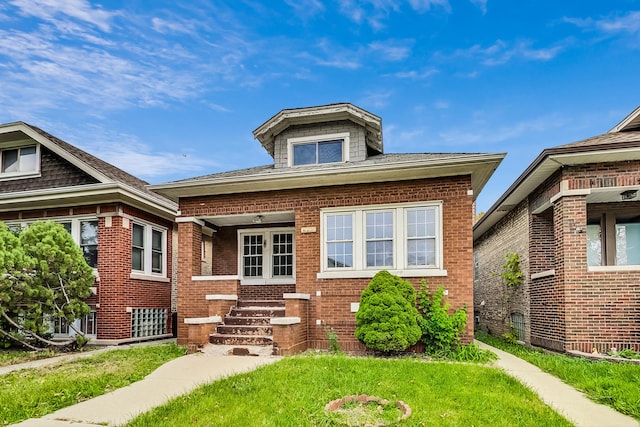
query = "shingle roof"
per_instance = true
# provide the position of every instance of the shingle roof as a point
(604, 140)
(380, 159)
(106, 169)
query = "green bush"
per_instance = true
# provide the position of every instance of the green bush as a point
(440, 330)
(387, 319)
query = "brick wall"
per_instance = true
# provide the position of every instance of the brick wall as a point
(510, 234)
(115, 290)
(332, 307)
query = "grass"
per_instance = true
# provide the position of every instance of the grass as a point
(294, 391)
(31, 393)
(11, 357)
(613, 384)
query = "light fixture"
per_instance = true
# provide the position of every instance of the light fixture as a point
(628, 194)
(257, 219)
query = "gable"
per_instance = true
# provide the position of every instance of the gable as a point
(55, 172)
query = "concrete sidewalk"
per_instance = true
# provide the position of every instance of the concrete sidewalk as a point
(564, 399)
(170, 380)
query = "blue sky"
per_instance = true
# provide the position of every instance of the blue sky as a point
(168, 90)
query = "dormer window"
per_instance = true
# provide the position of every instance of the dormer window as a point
(18, 161)
(318, 149)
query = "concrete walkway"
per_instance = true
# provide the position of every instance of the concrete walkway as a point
(184, 374)
(170, 380)
(564, 399)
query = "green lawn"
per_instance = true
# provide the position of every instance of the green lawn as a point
(294, 391)
(30, 393)
(613, 384)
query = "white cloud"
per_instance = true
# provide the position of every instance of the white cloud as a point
(376, 99)
(53, 10)
(502, 52)
(392, 50)
(628, 23)
(442, 104)
(417, 75)
(481, 4)
(480, 132)
(426, 5)
(306, 8)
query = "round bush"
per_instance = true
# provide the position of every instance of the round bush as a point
(387, 319)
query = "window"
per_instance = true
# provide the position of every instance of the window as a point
(379, 239)
(19, 161)
(405, 237)
(613, 238)
(517, 320)
(313, 150)
(89, 242)
(148, 322)
(86, 324)
(266, 255)
(84, 232)
(148, 253)
(339, 248)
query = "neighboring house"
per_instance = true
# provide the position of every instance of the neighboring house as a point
(573, 217)
(124, 230)
(316, 225)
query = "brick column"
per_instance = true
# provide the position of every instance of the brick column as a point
(189, 265)
(570, 224)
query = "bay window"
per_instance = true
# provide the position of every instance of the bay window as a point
(405, 238)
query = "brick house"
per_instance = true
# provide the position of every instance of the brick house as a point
(305, 234)
(573, 216)
(124, 230)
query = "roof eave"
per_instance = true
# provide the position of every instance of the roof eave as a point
(479, 166)
(85, 195)
(545, 165)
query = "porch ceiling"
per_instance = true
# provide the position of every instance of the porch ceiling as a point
(250, 219)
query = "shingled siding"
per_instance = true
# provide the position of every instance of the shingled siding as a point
(510, 234)
(357, 142)
(331, 299)
(54, 172)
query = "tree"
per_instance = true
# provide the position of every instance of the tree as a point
(45, 277)
(387, 319)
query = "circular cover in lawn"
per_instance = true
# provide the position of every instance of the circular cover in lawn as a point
(368, 411)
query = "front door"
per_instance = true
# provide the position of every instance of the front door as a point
(267, 254)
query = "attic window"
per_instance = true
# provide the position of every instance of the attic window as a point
(19, 161)
(318, 150)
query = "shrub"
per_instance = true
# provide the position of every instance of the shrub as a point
(387, 319)
(440, 330)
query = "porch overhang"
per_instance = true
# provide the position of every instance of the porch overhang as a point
(252, 219)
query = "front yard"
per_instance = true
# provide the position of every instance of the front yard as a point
(294, 392)
(32, 393)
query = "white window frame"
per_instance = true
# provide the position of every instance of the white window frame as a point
(267, 257)
(147, 273)
(400, 265)
(291, 142)
(74, 221)
(20, 174)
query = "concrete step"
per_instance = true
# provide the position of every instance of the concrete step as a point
(257, 312)
(259, 303)
(240, 339)
(249, 321)
(244, 330)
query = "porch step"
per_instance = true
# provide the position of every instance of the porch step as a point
(256, 312)
(259, 303)
(244, 330)
(253, 321)
(248, 323)
(240, 339)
